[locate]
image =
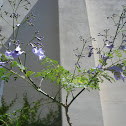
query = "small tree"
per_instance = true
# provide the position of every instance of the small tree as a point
(81, 77)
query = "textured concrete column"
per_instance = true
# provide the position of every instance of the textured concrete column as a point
(113, 96)
(73, 22)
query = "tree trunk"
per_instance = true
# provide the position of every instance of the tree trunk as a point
(67, 116)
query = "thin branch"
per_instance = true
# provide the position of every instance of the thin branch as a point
(118, 26)
(40, 82)
(41, 91)
(78, 59)
(115, 63)
(6, 21)
(67, 97)
(35, 86)
(81, 90)
(76, 96)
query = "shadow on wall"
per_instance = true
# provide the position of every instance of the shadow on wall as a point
(47, 23)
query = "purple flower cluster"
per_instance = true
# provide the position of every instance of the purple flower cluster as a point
(118, 72)
(109, 46)
(104, 58)
(39, 38)
(123, 47)
(95, 69)
(14, 15)
(39, 52)
(29, 19)
(16, 53)
(91, 51)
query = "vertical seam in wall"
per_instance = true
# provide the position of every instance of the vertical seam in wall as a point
(61, 122)
(95, 56)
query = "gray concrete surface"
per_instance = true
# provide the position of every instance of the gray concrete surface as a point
(46, 22)
(73, 22)
(6, 30)
(113, 96)
(1, 3)
(76, 18)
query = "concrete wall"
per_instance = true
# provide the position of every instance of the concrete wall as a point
(66, 20)
(113, 96)
(73, 23)
(89, 17)
(46, 22)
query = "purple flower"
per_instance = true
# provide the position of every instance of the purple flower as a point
(18, 43)
(17, 25)
(32, 15)
(99, 67)
(104, 58)
(39, 38)
(16, 53)
(37, 44)
(118, 72)
(95, 69)
(2, 64)
(91, 51)
(109, 46)
(29, 21)
(36, 32)
(115, 69)
(123, 47)
(119, 75)
(39, 52)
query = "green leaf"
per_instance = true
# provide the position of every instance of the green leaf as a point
(29, 73)
(38, 74)
(53, 78)
(5, 78)
(79, 70)
(55, 62)
(3, 57)
(43, 62)
(15, 78)
(48, 66)
(109, 54)
(58, 81)
(118, 53)
(107, 77)
(2, 71)
(14, 64)
(124, 61)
